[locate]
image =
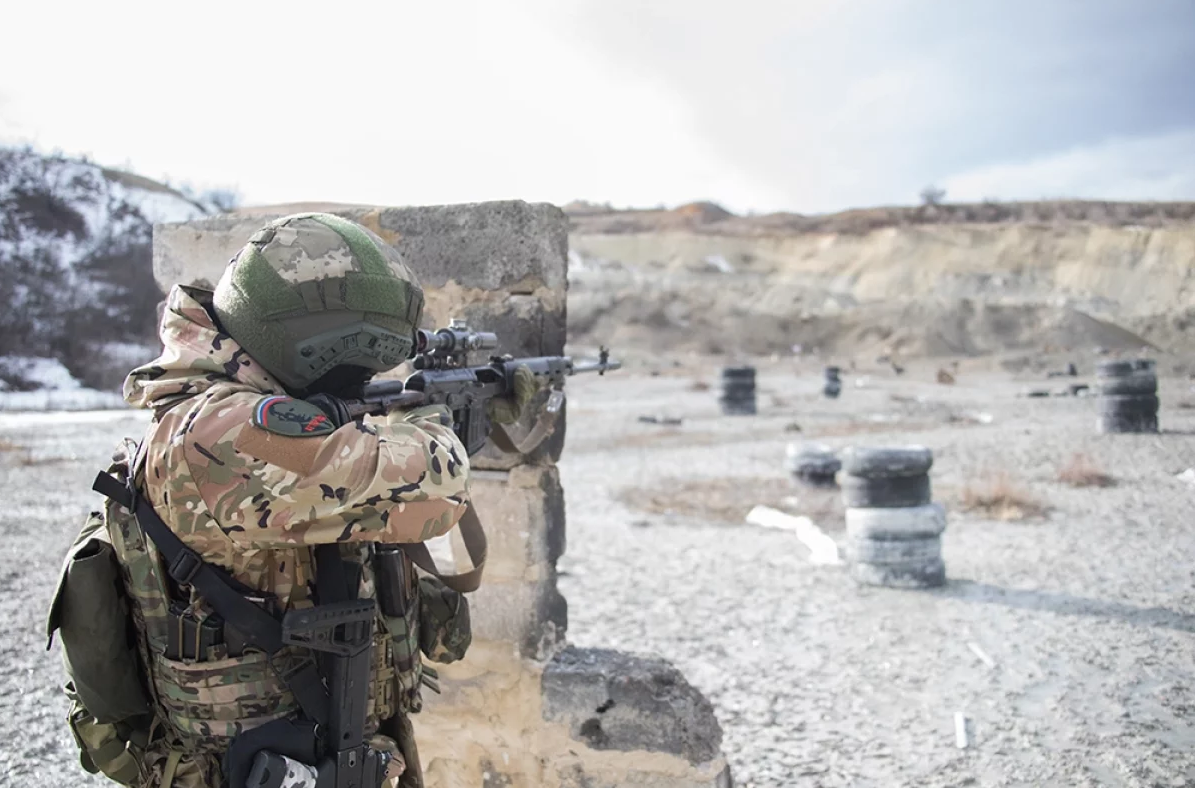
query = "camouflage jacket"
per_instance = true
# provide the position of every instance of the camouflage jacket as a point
(254, 501)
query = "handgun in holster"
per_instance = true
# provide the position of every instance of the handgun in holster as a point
(343, 631)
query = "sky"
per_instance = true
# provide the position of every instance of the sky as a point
(787, 105)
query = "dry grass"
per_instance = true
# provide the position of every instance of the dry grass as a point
(699, 385)
(1081, 471)
(7, 445)
(867, 428)
(729, 500)
(1001, 497)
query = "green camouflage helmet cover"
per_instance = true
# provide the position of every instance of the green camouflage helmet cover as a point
(313, 291)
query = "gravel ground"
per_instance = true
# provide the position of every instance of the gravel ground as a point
(1087, 612)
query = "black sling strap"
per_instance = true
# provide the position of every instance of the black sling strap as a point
(219, 590)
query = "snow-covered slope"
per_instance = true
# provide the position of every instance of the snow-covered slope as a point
(75, 263)
(71, 206)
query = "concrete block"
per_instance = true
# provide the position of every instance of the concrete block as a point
(523, 514)
(615, 701)
(532, 615)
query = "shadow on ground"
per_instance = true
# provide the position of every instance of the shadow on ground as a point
(1069, 605)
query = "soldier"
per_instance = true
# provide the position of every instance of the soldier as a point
(252, 461)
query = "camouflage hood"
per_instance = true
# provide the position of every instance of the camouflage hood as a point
(196, 355)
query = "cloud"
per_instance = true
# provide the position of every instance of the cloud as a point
(808, 105)
(862, 102)
(1157, 167)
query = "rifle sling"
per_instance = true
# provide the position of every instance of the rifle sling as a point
(545, 425)
(473, 535)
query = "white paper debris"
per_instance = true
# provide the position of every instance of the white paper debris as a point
(822, 549)
(1187, 476)
(960, 731)
(983, 655)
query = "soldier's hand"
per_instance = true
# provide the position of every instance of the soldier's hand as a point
(508, 409)
(334, 407)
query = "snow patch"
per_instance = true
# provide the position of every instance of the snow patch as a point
(41, 373)
(78, 399)
(54, 387)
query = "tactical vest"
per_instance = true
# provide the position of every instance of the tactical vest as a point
(195, 707)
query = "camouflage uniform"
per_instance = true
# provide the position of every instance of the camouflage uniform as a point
(251, 500)
(255, 501)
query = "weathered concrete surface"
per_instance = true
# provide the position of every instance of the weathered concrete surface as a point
(491, 727)
(612, 700)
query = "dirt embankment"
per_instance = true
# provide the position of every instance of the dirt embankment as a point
(1064, 277)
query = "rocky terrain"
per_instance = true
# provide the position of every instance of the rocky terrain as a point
(1065, 637)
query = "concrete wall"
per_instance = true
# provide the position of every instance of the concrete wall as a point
(521, 709)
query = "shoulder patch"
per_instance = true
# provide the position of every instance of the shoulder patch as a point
(295, 418)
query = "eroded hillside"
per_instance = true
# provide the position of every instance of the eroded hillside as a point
(937, 280)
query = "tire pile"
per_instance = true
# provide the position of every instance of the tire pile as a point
(738, 391)
(1128, 396)
(833, 384)
(812, 464)
(894, 530)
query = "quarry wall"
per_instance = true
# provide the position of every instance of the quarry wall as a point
(1126, 271)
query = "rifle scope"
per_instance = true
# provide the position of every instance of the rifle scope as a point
(457, 338)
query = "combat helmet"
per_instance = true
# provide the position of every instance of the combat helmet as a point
(313, 291)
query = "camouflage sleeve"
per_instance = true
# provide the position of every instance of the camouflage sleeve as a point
(400, 479)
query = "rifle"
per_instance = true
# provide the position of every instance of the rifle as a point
(442, 378)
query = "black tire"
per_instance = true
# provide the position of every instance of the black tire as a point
(738, 407)
(738, 373)
(824, 480)
(734, 389)
(906, 523)
(896, 492)
(832, 389)
(812, 460)
(1114, 369)
(1128, 424)
(879, 462)
(1145, 365)
(1129, 405)
(1137, 383)
(887, 551)
(921, 574)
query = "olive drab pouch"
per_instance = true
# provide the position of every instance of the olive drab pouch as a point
(110, 710)
(91, 616)
(445, 630)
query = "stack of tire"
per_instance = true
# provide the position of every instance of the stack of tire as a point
(812, 464)
(738, 391)
(894, 531)
(833, 385)
(1128, 396)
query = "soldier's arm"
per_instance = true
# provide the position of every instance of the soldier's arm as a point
(269, 478)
